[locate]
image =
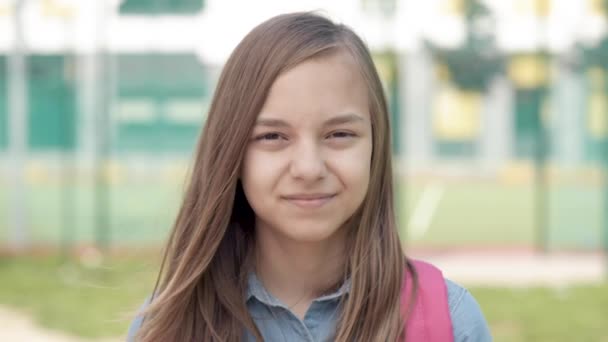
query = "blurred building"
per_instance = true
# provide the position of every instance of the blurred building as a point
(486, 83)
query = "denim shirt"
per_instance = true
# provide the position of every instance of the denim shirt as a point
(277, 323)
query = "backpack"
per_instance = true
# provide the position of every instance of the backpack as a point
(429, 320)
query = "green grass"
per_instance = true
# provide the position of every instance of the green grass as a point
(98, 302)
(72, 298)
(482, 213)
(546, 315)
(138, 212)
(469, 213)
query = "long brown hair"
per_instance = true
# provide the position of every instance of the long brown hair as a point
(200, 292)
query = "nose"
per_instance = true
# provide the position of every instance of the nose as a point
(308, 162)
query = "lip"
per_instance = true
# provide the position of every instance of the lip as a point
(310, 200)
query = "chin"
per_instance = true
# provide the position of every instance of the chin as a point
(303, 232)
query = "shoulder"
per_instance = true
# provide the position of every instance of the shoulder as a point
(136, 323)
(468, 322)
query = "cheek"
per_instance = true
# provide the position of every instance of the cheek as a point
(353, 166)
(259, 173)
(250, 174)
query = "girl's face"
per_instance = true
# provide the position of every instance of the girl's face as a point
(307, 166)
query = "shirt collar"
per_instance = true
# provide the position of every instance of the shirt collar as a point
(256, 289)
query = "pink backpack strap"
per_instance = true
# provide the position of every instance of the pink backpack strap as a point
(429, 320)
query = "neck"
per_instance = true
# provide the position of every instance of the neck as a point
(298, 272)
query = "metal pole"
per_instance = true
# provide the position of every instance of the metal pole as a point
(541, 197)
(18, 111)
(604, 160)
(67, 197)
(102, 200)
(605, 195)
(68, 206)
(604, 157)
(540, 177)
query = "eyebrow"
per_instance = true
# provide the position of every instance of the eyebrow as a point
(336, 120)
(344, 119)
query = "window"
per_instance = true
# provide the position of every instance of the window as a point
(159, 7)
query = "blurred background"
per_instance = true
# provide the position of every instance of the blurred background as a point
(500, 136)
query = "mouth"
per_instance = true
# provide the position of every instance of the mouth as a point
(309, 200)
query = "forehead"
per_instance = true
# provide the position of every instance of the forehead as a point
(318, 88)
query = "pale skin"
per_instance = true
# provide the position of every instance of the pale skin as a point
(306, 171)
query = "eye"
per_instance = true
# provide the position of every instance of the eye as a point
(341, 134)
(269, 136)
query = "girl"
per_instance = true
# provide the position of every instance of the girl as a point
(287, 230)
